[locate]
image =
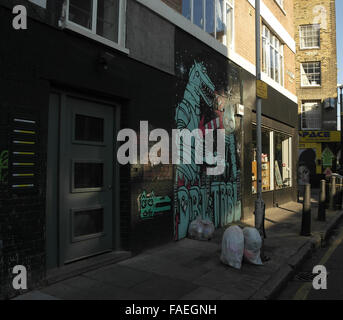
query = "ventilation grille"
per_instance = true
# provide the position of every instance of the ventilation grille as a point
(23, 153)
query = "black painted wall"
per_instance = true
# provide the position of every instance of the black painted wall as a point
(34, 61)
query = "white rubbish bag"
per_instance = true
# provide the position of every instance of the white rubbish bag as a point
(201, 229)
(252, 245)
(233, 247)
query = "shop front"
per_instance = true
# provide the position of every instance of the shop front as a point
(317, 155)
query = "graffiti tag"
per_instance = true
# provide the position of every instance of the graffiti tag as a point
(150, 205)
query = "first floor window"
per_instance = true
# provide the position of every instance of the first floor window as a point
(272, 56)
(101, 17)
(310, 74)
(311, 115)
(213, 16)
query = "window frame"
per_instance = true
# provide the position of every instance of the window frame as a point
(302, 113)
(91, 33)
(280, 3)
(289, 144)
(304, 74)
(269, 40)
(231, 4)
(301, 37)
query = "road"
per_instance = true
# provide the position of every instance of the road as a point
(330, 256)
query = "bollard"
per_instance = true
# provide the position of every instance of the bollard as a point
(322, 206)
(327, 193)
(338, 194)
(306, 216)
(332, 199)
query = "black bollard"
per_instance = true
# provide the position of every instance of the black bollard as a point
(322, 206)
(338, 194)
(339, 204)
(306, 216)
(332, 199)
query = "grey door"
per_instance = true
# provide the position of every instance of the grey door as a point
(85, 178)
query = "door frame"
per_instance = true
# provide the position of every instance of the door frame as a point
(53, 245)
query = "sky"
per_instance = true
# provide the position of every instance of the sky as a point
(339, 14)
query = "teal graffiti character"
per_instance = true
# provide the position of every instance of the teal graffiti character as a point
(188, 117)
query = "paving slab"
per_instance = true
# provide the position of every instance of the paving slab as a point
(192, 270)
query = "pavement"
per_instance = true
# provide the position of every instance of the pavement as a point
(192, 270)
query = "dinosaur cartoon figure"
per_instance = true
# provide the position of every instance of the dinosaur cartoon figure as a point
(188, 117)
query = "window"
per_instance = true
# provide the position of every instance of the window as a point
(99, 17)
(213, 16)
(282, 160)
(266, 160)
(272, 56)
(41, 3)
(310, 36)
(310, 74)
(311, 115)
(280, 3)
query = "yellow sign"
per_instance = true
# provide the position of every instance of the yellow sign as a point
(261, 89)
(319, 136)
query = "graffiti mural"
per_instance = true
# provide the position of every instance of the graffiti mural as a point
(150, 205)
(3, 167)
(207, 104)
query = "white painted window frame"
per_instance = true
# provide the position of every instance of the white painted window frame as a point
(226, 3)
(301, 36)
(302, 74)
(280, 51)
(280, 3)
(271, 159)
(91, 33)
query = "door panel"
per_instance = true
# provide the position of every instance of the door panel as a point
(86, 174)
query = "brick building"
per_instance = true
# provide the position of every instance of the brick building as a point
(316, 82)
(82, 72)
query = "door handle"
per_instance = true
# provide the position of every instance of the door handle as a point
(109, 187)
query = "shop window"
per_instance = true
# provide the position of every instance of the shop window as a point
(282, 161)
(213, 16)
(266, 160)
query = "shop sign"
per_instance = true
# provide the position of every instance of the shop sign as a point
(319, 136)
